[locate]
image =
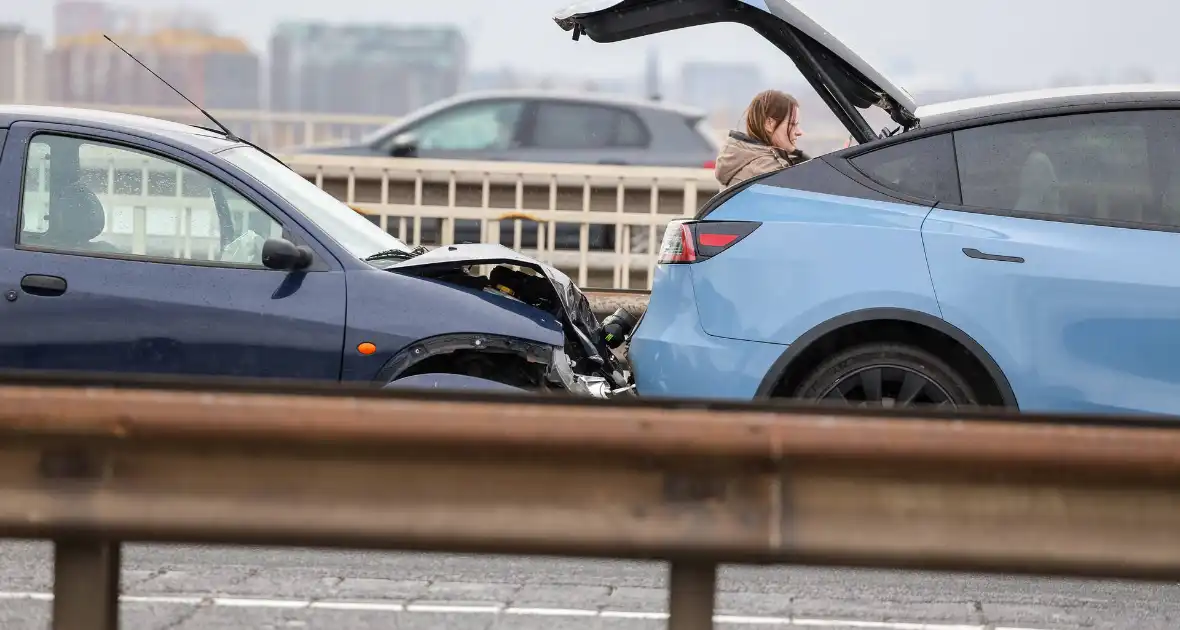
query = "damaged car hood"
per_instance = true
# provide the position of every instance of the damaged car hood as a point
(575, 305)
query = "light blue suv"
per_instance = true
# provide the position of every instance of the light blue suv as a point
(1012, 251)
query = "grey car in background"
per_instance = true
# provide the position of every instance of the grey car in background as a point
(541, 126)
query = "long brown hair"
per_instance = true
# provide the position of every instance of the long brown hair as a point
(769, 105)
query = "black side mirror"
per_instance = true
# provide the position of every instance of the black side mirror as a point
(405, 145)
(281, 254)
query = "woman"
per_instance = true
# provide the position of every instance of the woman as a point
(768, 144)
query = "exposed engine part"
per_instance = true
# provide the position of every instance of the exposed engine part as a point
(534, 290)
(617, 327)
(585, 385)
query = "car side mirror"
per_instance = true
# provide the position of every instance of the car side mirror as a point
(405, 145)
(281, 254)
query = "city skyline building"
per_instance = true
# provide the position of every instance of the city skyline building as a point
(214, 70)
(364, 69)
(22, 65)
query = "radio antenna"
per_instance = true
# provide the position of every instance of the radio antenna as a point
(229, 134)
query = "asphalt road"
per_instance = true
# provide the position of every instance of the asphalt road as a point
(203, 588)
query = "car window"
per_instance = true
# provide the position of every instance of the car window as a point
(83, 196)
(581, 126)
(476, 127)
(923, 168)
(1084, 166)
(357, 234)
(632, 132)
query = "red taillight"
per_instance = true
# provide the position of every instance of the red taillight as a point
(694, 241)
(711, 164)
(717, 240)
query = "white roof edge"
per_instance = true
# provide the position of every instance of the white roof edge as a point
(934, 110)
(574, 95)
(111, 116)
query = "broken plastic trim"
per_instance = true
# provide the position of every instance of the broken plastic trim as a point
(559, 367)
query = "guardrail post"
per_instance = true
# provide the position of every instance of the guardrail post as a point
(692, 587)
(85, 585)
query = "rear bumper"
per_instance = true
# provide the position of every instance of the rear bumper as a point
(673, 357)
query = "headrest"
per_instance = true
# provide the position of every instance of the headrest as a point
(75, 215)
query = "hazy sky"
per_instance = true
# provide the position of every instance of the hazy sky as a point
(998, 42)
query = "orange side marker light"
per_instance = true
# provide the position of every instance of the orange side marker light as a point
(366, 348)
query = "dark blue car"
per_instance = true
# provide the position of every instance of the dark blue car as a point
(135, 245)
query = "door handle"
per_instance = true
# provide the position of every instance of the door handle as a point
(35, 284)
(978, 255)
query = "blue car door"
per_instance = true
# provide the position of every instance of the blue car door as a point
(1063, 259)
(121, 254)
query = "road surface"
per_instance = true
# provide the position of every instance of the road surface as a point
(207, 588)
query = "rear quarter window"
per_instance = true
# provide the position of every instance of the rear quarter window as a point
(1094, 166)
(922, 168)
(587, 126)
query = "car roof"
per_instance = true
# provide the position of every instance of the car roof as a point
(596, 98)
(1015, 103)
(193, 137)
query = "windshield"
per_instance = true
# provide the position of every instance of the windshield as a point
(360, 236)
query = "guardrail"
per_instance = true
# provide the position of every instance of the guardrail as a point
(91, 467)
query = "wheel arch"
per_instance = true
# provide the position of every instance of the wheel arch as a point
(442, 346)
(799, 349)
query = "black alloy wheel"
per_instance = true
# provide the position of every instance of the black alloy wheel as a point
(888, 375)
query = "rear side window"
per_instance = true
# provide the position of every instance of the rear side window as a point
(3, 133)
(922, 168)
(581, 126)
(1095, 166)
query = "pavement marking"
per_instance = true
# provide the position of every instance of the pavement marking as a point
(497, 609)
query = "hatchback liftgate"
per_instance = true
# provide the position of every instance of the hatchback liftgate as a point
(845, 81)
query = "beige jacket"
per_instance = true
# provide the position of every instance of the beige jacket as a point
(744, 157)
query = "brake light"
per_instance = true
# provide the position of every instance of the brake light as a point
(695, 241)
(717, 240)
(711, 164)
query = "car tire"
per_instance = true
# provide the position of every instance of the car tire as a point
(886, 375)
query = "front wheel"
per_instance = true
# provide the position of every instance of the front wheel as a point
(891, 375)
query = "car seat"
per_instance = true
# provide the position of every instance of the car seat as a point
(75, 218)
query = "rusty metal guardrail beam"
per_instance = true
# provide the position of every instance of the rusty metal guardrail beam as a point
(91, 467)
(605, 301)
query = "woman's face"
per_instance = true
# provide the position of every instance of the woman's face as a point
(785, 135)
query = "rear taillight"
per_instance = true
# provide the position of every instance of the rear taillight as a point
(711, 164)
(677, 246)
(694, 241)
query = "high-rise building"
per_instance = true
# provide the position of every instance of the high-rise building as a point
(652, 85)
(72, 18)
(214, 71)
(22, 66)
(76, 17)
(363, 69)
